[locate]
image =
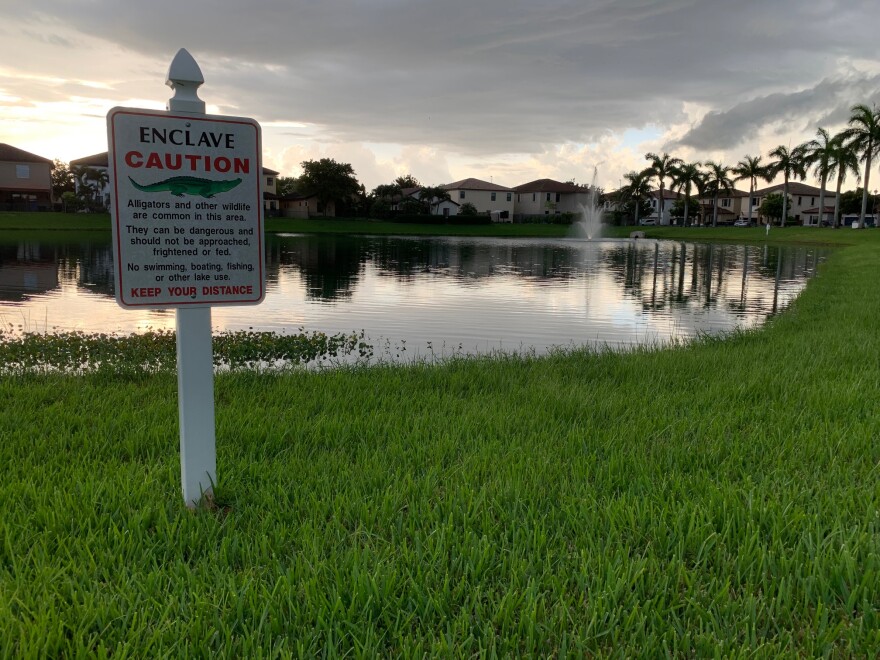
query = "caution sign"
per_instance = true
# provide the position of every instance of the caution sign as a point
(187, 209)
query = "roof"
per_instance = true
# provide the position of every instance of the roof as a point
(475, 184)
(12, 154)
(815, 209)
(101, 160)
(96, 160)
(794, 188)
(549, 185)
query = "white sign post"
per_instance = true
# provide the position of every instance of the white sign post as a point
(187, 234)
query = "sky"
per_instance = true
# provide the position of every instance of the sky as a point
(507, 91)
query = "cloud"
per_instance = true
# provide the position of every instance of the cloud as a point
(458, 88)
(826, 103)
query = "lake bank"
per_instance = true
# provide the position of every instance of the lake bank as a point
(705, 499)
(52, 222)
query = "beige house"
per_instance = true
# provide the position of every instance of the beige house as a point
(271, 203)
(732, 206)
(486, 197)
(300, 206)
(549, 197)
(25, 180)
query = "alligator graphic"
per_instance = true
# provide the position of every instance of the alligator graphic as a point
(188, 185)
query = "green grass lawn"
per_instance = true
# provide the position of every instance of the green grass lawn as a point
(720, 499)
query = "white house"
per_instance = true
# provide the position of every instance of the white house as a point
(804, 206)
(485, 196)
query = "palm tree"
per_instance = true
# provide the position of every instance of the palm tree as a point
(717, 180)
(662, 166)
(790, 163)
(844, 160)
(685, 176)
(864, 136)
(751, 168)
(638, 189)
(819, 152)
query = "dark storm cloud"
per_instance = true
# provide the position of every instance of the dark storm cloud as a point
(827, 103)
(483, 76)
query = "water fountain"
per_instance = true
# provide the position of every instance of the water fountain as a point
(590, 224)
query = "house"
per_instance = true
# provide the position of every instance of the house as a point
(486, 197)
(271, 204)
(804, 200)
(305, 206)
(548, 197)
(445, 207)
(669, 198)
(25, 180)
(732, 205)
(94, 174)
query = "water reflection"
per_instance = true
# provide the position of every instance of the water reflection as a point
(479, 294)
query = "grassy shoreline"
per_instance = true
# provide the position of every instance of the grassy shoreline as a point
(721, 498)
(12, 224)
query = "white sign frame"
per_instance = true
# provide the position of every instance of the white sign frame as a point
(213, 157)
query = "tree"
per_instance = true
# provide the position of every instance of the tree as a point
(92, 181)
(687, 177)
(637, 191)
(819, 153)
(663, 167)
(467, 209)
(433, 196)
(790, 163)
(751, 168)
(407, 181)
(844, 161)
(329, 181)
(717, 181)
(773, 206)
(286, 185)
(62, 179)
(864, 136)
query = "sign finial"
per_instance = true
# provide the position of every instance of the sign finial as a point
(185, 77)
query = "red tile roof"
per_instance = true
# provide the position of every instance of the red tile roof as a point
(16, 155)
(794, 188)
(475, 184)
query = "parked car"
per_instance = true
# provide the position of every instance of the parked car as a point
(648, 222)
(741, 222)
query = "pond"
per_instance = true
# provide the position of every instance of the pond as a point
(415, 296)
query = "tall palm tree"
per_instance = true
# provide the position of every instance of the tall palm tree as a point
(864, 134)
(844, 160)
(717, 180)
(684, 177)
(751, 168)
(819, 153)
(662, 166)
(637, 190)
(790, 163)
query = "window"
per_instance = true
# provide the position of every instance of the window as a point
(812, 200)
(493, 196)
(548, 197)
(510, 197)
(725, 202)
(558, 196)
(461, 194)
(800, 200)
(269, 180)
(754, 201)
(22, 171)
(533, 197)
